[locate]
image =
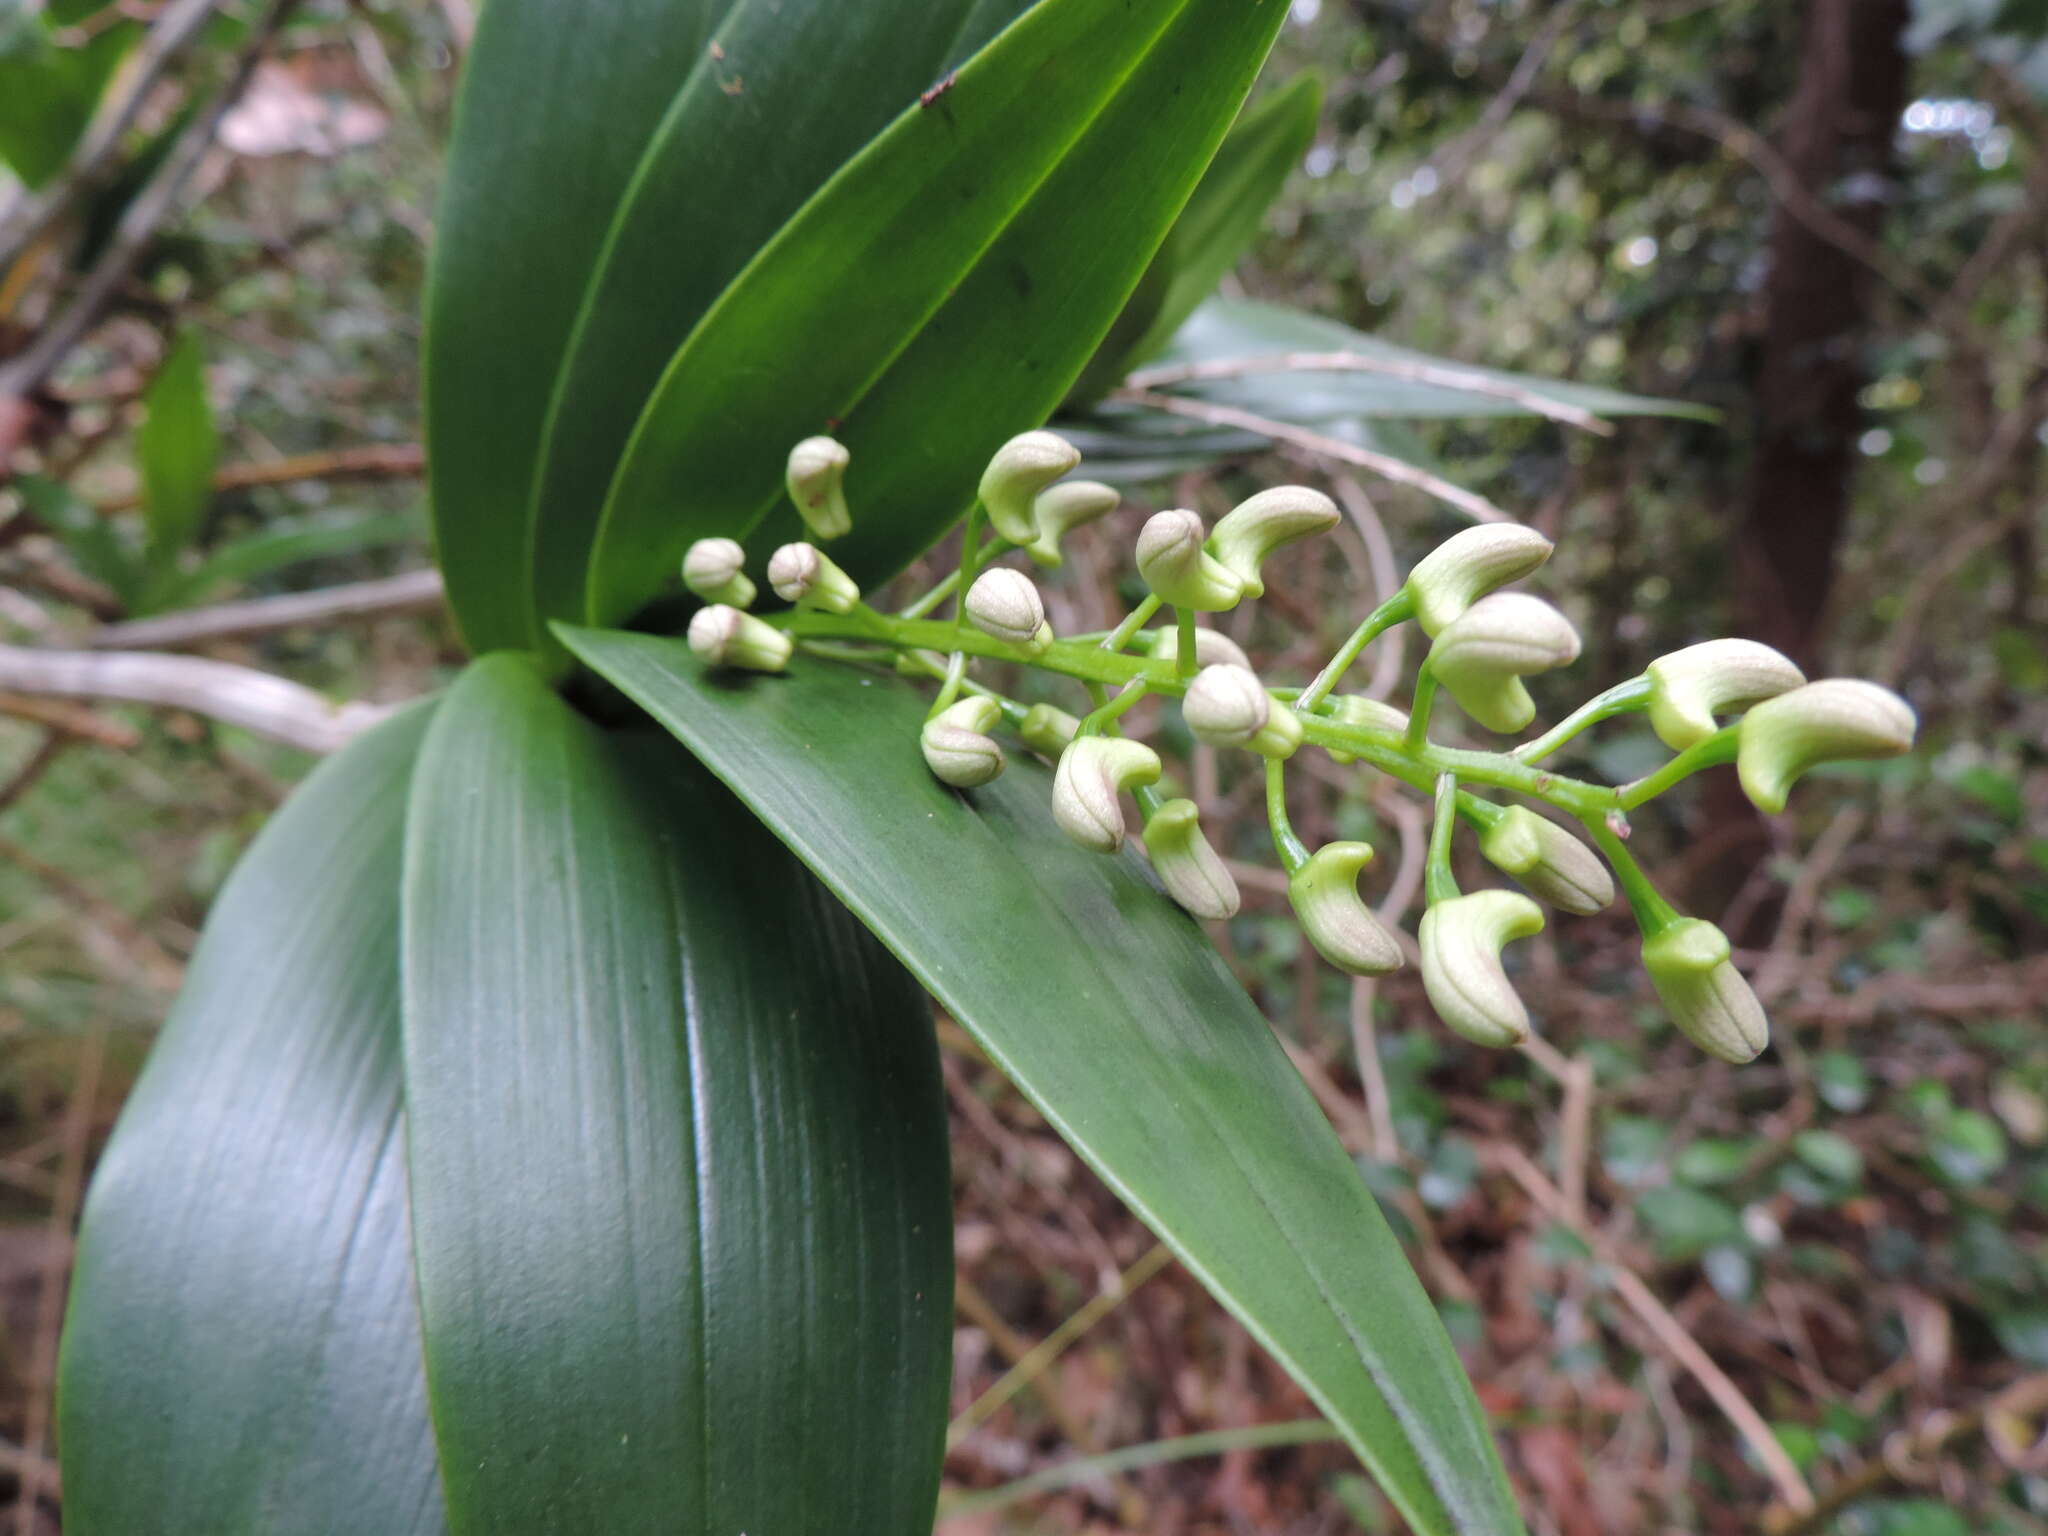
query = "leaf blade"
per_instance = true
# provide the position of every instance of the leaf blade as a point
(176, 446)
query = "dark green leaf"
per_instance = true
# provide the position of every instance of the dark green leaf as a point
(558, 102)
(48, 92)
(678, 1149)
(242, 1352)
(176, 448)
(1112, 1012)
(1687, 1222)
(86, 533)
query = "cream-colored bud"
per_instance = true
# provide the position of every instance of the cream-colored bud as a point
(1092, 772)
(725, 637)
(1709, 1001)
(817, 484)
(1467, 566)
(1062, 508)
(802, 573)
(1047, 730)
(1212, 647)
(1461, 942)
(1179, 570)
(1324, 895)
(1227, 706)
(1253, 529)
(1551, 864)
(1023, 467)
(1185, 863)
(1005, 603)
(1482, 656)
(1835, 720)
(1689, 687)
(715, 569)
(1357, 709)
(956, 744)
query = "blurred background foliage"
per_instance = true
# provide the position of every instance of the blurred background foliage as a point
(1827, 223)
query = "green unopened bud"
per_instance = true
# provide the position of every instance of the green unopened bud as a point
(1467, 566)
(1179, 570)
(1709, 1001)
(1092, 772)
(1062, 508)
(803, 574)
(1185, 863)
(817, 484)
(1227, 706)
(1834, 720)
(725, 637)
(1212, 647)
(1551, 864)
(1324, 895)
(1461, 969)
(1253, 529)
(1005, 603)
(1482, 656)
(1023, 467)
(1689, 687)
(1356, 709)
(1047, 730)
(714, 569)
(956, 744)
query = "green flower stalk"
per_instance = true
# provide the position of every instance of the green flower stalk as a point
(715, 569)
(1461, 966)
(1092, 772)
(1482, 656)
(1046, 730)
(1212, 647)
(1689, 687)
(956, 744)
(1335, 918)
(1060, 509)
(725, 637)
(1253, 529)
(1467, 566)
(1227, 706)
(1005, 604)
(816, 477)
(1185, 863)
(1179, 570)
(805, 575)
(1357, 709)
(1836, 720)
(1023, 467)
(1689, 965)
(1548, 862)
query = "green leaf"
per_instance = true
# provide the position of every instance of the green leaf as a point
(284, 542)
(678, 1149)
(790, 92)
(558, 102)
(1687, 1221)
(176, 448)
(1111, 1011)
(87, 534)
(241, 1350)
(939, 294)
(47, 92)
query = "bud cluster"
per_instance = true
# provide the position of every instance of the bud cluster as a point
(1485, 641)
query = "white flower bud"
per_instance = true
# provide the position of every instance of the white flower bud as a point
(1177, 568)
(714, 569)
(1227, 706)
(1551, 864)
(1461, 969)
(956, 744)
(1336, 920)
(1185, 863)
(1092, 772)
(1357, 709)
(1709, 1001)
(1005, 603)
(725, 637)
(1481, 656)
(1212, 647)
(802, 573)
(1468, 565)
(1062, 508)
(817, 484)
(1047, 730)
(1834, 720)
(1253, 529)
(1023, 467)
(1689, 687)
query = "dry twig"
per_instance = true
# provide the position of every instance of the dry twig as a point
(412, 592)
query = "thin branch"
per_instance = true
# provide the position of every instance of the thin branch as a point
(375, 461)
(73, 720)
(412, 592)
(1451, 161)
(1437, 375)
(1476, 507)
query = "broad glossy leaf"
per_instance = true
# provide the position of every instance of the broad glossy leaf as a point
(677, 1144)
(1112, 1012)
(558, 101)
(176, 448)
(788, 91)
(940, 293)
(242, 1351)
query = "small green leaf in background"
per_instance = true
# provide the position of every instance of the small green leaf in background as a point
(176, 448)
(1968, 1146)
(1713, 1159)
(1686, 1222)
(48, 91)
(1832, 1156)
(1842, 1081)
(88, 535)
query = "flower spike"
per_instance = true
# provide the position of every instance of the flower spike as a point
(1482, 656)
(715, 569)
(1324, 895)
(1185, 863)
(1467, 566)
(1023, 467)
(1177, 568)
(1005, 603)
(1551, 864)
(1461, 969)
(1709, 1001)
(1834, 720)
(1253, 529)
(725, 637)
(1092, 772)
(956, 744)
(803, 574)
(1689, 687)
(816, 478)
(1062, 508)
